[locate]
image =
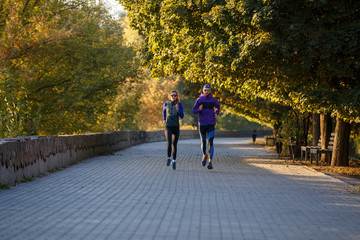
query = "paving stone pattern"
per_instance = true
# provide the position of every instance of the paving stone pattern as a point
(250, 194)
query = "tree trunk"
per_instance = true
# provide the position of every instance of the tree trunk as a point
(315, 128)
(302, 134)
(276, 128)
(340, 155)
(304, 121)
(325, 132)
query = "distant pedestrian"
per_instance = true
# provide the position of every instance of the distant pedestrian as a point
(172, 110)
(254, 135)
(208, 109)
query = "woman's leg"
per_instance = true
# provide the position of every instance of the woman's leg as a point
(168, 134)
(176, 133)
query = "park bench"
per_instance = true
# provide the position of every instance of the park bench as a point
(319, 151)
(305, 150)
(270, 138)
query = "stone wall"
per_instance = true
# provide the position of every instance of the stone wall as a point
(34, 156)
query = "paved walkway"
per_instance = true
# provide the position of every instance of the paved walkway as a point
(250, 194)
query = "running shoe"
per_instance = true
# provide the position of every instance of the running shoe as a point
(174, 165)
(210, 166)
(168, 162)
(203, 162)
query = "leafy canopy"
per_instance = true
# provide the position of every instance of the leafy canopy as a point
(299, 54)
(61, 63)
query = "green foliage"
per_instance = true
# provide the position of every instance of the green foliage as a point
(355, 146)
(123, 111)
(53, 170)
(4, 186)
(27, 179)
(13, 106)
(228, 121)
(138, 105)
(301, 55)
(67, 59)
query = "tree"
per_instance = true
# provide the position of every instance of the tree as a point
(69, 57)
(301, 54)
(315, 128)
(12, 102)
(123, 110)
(325, 131)
(341, 143)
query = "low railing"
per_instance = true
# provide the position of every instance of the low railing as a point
(26, 157)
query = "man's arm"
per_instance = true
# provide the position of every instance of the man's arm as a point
(217, 107)
(196, 109)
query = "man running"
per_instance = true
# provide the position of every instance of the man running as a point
(208, 109)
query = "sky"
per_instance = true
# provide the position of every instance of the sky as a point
(114, 7)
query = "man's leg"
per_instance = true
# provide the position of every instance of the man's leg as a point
(211, 144)
(203, 144)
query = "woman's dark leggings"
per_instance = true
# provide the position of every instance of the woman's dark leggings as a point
(172, 136)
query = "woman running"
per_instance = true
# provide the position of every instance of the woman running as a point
(172, 110)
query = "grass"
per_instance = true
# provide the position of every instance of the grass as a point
(355, 190)
(54, 170)
(350, 174)
(27, 179)
(349, 171)
(352, 170)
(4, 186)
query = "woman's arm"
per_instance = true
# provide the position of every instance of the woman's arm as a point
(180, 110)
